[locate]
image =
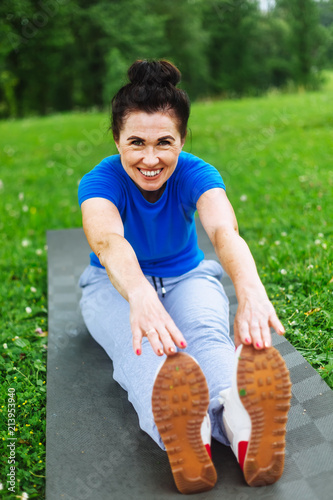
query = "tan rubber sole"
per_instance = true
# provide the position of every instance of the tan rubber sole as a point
(265, 390)
(180, 401)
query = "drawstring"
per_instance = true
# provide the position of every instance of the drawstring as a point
(161, 283)
(162, 287)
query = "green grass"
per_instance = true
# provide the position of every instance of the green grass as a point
(275, 155)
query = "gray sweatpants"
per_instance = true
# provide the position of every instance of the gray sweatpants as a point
(197, 303)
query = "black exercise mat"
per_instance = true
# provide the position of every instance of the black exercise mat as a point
(95, 448)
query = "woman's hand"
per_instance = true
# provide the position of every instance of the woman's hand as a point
(255, 315)
(149, 319)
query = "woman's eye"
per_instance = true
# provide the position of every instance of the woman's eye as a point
(137, 143)
(164, 143)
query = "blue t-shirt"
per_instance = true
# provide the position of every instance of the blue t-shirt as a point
(162, 234)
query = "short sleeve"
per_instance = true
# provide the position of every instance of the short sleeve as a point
(196, 177)
(104, 181)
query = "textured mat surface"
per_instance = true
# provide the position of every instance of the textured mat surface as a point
(95, 448)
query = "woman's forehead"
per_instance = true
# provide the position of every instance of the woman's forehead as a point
(150, 123)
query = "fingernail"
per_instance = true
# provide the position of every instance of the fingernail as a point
(160, 352)
(258, 344)
(247, 340)
(172, 349)
(183, 344)
(138, 351)
(267, 344)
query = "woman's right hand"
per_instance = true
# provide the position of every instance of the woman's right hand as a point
(149, 319)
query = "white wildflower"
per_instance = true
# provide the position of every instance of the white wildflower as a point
(5, 346)
(25, 243)
(39, 251)
(324, 246)
(33, 289)
(277, 242)
(24, 496)
(262, 241)
(283, 271)
(9, 150)
(243, 197)
(28, 310)
(317, 242)
(21, 196)
(310, 266)
(46, 248)
(320, 235)
(25, 208)
(284, 234)
(1, 184)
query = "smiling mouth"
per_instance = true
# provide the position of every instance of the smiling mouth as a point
(150, 173)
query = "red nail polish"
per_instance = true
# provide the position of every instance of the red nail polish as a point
(248, 341)
(138, 351)
(258, 345)
(183, 344)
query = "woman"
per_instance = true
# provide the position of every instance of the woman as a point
(149, 292)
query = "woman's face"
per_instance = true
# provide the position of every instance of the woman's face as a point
(149, 146)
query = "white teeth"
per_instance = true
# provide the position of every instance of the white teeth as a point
(150, 173)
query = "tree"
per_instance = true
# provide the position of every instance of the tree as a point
(325, 8)
(186, 41)
(232, 26)
(306, 39)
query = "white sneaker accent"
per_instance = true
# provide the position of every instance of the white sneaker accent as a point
(206, 431)
(236, 420)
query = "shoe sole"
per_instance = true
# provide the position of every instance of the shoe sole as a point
(265, 390)
(180, 401)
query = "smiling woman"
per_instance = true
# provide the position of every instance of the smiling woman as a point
(138, 211)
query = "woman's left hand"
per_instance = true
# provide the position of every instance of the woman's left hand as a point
(255, 315)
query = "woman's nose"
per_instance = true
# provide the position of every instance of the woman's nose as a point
(150, 158)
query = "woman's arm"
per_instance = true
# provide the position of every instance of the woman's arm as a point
(255, 313)
(104, 230)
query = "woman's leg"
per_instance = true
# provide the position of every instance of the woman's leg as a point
(197, 303)
(106, 315)
(200, 309)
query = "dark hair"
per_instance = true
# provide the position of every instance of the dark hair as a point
(151, 88)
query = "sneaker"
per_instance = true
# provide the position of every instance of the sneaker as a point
(180, 400)
(255, 413)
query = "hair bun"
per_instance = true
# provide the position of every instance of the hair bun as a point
(159, 73)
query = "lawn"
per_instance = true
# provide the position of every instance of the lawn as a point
(275, 155)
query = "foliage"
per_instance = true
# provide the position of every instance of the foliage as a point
(305, 41)
(58, 55)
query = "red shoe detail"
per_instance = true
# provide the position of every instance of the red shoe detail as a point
(242, 448)
(208, 450)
